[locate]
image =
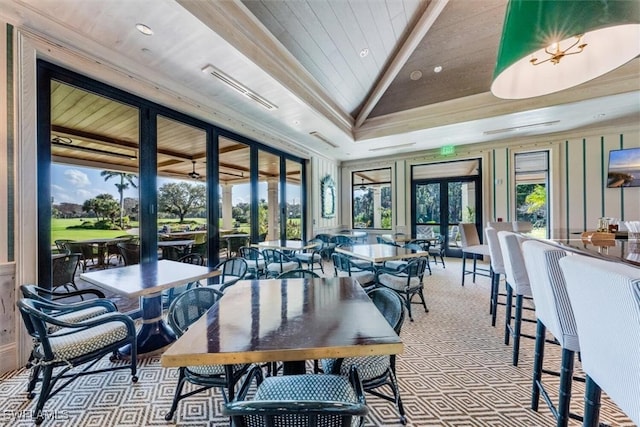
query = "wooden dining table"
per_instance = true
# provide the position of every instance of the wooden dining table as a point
(380, 252)
(286, 320)
(147, 281)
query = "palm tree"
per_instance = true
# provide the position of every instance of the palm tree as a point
(121, 186)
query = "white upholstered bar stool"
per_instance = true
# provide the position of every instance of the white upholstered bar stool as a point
(471, 245)
(553, 314)
(497, 269)
(518, 284)
(605, 297)
(500, 225)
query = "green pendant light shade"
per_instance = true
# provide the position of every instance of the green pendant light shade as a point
(593, 37)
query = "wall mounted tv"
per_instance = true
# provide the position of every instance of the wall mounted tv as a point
(624, 168)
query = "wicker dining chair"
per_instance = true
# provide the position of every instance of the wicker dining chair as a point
(406, 280)
(299, 273)
(63, 271)
(307, 400)
(184, 310)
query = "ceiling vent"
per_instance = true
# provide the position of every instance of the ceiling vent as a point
(238, 87)
(323, 138)
(517, 128)
(390, 147)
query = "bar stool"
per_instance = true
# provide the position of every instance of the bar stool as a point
(605, 297)
(518, 283)
(553, 313)
(471, 245)
(497, 270)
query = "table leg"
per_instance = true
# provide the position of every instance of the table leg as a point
(154, 334)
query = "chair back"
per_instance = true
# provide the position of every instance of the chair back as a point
(522, 226)
(249, 253)
(192, 258)
(326, 238)
(298, 273)
(63, 270)
(342, 240)
(231, 271)
(61, 244)
(495, 253)
(514, 266)
(549, 291)
(130, 253)
(468, 234)
(605, 297)
(199, 248)
(235, 243)
(390, 305)
(500, 225)
(415, 247)
(187, 307)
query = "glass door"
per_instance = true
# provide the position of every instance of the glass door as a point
(441, 202)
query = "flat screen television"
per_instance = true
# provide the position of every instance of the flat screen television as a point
(624, 168)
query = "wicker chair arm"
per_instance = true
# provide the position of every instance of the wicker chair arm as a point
(71, 328)
(76, 306)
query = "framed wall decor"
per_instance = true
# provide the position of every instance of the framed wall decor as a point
(328, 197)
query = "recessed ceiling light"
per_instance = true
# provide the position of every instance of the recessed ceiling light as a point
(437, 69)
(415, 75)
(364, 52)
(144, 29)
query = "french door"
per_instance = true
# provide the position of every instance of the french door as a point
(439, 204)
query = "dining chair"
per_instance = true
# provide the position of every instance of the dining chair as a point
(63, 271)
(130, 252)
(500, 225)
(406, 280)
(376, 371)
(312, 256)
(328, 246)
(299, 273)
(86, 252)
(183, 312)
(470, 242)
(232, 270)
(413, 247)
(277, 262)
(61, 245)
(307, 400)
(168, 295)
(436, 249)
(255, 262)
(555, 315)
(61, 346)
(342, 240)
(497, 271)
(112, 249)
(517, 283)
(605, 297)
(343, 266)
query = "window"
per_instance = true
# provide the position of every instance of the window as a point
(532, 175)
(372, 199)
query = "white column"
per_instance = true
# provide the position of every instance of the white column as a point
(227, 215)
(273, 211)
(377, 208)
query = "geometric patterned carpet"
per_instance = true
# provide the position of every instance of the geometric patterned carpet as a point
(455, 371)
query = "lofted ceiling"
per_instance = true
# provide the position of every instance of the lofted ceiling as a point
(345, 79)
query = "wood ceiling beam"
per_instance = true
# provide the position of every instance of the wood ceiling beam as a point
(414, 38)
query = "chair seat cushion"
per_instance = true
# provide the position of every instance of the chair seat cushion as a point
(85, 341)
(363, 277)
(212, 369)
(78, 316)
(395, 264)
(398, 283)
(477, 249)
(310, 387)
(309, 257)
(369, 367)
(274, 267)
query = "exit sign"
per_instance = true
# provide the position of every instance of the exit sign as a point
(447, 150)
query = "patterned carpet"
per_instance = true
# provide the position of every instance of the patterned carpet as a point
(455, 371)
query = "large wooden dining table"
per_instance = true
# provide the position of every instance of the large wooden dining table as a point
(147, 281)
(287, 320)
(380, 252)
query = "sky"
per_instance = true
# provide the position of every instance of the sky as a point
(74, 184)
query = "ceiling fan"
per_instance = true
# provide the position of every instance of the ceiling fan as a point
(193, 174)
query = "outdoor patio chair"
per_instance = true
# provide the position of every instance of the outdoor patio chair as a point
(184, 310)
(406, 281)
(231, 271)
(86, 251)
(63, 271)
(62, 345)
(376, 371)
(307, 400)
(130, 253)
(277, 262)
(299, 273)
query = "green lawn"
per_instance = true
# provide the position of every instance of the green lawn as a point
(59, 231)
